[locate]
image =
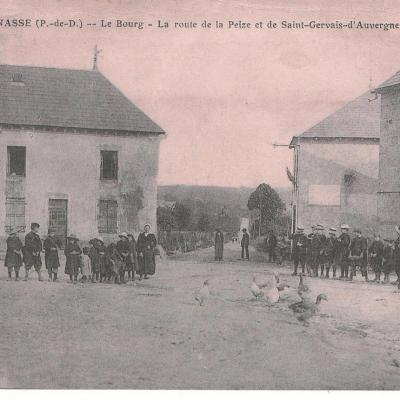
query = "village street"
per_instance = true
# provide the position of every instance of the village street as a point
(155, 335)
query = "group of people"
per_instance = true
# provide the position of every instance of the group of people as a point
(95, 262)
(321, 254)
(219, 245)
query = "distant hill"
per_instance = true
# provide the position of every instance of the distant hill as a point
(226, 196)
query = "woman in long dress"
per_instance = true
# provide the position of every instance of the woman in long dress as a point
(146, 245)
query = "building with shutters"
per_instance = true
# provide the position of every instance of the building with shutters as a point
(336, 168)
(76, 154)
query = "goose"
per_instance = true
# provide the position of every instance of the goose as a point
(202, 294)
(303, 290)
(255, 289)
(306, 308)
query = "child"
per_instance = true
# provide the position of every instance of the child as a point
(86, 268)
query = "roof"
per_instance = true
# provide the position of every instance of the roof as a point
(392, 81)
(359, 118)
(66, 98)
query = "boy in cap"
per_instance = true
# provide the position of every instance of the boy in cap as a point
(358, 255)
(331, 252)
(32, 249)
(123, 249)
(13, 260)
(375, 256)
(344, 251)
(51, 260)
(299, 249)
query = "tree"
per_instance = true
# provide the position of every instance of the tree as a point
(165, 219)
(182, 216)
(203, 223)
(267, 200)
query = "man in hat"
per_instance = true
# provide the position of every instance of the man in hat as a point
(72, 253)
(323, 258)
(309, 261)
(376, 256)
(13, 260)
(331, 250)
(123, 250)
(344, 241)
(51, 260)
(218, 245)
(316, 248)
(245, 244)
(32, 249)
(358, 255)
(299, 249)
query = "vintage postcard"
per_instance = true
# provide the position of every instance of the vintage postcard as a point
(200, 195)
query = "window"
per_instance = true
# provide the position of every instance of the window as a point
(16, 160)
(324, 195)
(108, 211)
(109, 165)
(15, 214)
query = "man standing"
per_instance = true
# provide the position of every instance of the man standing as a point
(51, 259)
(219, 245)
(13, 260)
(271, 244)
(343, 251)
(32, 250)
(358, 255)
(316, 246)
(299, 249)
(396, 256)
(322, 258)
(245, 244)
(375, 256)
(331, 250)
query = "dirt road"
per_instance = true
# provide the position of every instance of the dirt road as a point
(155, 336)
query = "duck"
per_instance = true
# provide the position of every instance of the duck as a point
(202, 294)
(255, 289)
(307, 309)
(303, 290)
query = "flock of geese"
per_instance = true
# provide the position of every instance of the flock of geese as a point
(270, 293)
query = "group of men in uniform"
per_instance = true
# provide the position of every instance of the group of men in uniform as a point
(320, 254)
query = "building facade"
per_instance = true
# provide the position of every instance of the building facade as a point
(389, 167)
(336, 165)
(76, 154)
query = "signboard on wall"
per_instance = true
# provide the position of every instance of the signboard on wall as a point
(324, 195)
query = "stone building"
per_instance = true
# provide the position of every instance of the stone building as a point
(336, 165)
(77, 155)
(389, 167)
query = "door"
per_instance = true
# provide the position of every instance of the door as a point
(58, 218)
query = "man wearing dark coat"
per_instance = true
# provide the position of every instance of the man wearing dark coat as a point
(358, 255)
(331, 250)
(376, 256)
(146, 245)
(344, 251)
(13, 260)
(51, 260)
(219, 245)
(299, 251)
(245, 244)
(72, 253)
(96, 245)
(32, 249)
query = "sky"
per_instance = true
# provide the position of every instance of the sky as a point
(223, 96)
